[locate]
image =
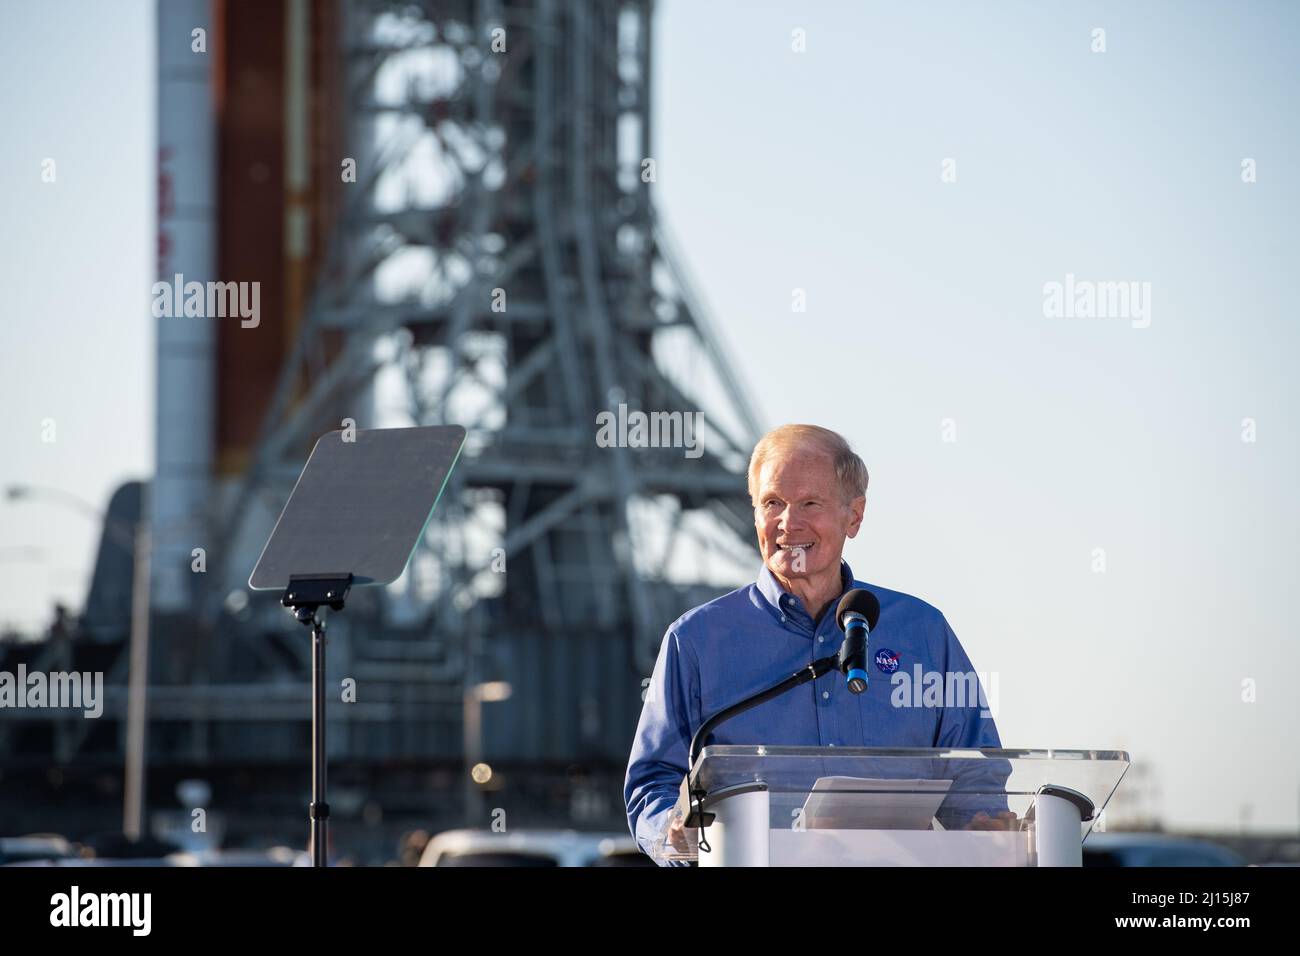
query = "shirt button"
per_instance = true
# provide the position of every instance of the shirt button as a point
(782, 618)
(821, 639)
(831, 745)
(826, 695)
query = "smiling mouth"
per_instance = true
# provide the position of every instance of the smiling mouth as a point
(796, 547)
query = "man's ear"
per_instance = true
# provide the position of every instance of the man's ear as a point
(857, 507)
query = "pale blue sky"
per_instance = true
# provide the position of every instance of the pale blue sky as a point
(821, 171)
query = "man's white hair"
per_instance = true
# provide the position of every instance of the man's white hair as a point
(849, 468)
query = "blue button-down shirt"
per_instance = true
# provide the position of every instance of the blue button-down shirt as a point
(744, 642)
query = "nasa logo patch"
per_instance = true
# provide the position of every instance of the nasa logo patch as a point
(887, 660)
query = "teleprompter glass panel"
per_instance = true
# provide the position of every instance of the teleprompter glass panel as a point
(360, 506)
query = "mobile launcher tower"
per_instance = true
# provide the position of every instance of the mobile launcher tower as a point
(448, 209)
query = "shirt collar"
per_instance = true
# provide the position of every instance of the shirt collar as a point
(781, 600)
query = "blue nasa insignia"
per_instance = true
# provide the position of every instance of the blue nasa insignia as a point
(887, 660)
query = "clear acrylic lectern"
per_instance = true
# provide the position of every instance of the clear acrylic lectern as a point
(844, 806)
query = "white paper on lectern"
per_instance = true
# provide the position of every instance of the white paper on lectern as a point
(865, 803)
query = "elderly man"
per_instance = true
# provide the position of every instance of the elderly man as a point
(809, 491)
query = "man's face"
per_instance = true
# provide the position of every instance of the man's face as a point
(800, 503)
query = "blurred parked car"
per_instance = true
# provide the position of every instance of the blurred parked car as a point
(273, 856)
(1155, 849)
(532, 848)
(34, 848)
(92, 861)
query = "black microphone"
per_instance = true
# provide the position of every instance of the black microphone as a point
(856, 615)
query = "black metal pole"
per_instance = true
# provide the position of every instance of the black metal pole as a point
(307, 596)
(320, 810)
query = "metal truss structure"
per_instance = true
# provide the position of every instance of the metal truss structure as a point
(497, 263)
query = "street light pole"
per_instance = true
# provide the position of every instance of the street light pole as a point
(133, 804)
(476, 694)
(137, 539)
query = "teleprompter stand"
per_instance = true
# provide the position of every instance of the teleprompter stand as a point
(305, 596)
(355, 516)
